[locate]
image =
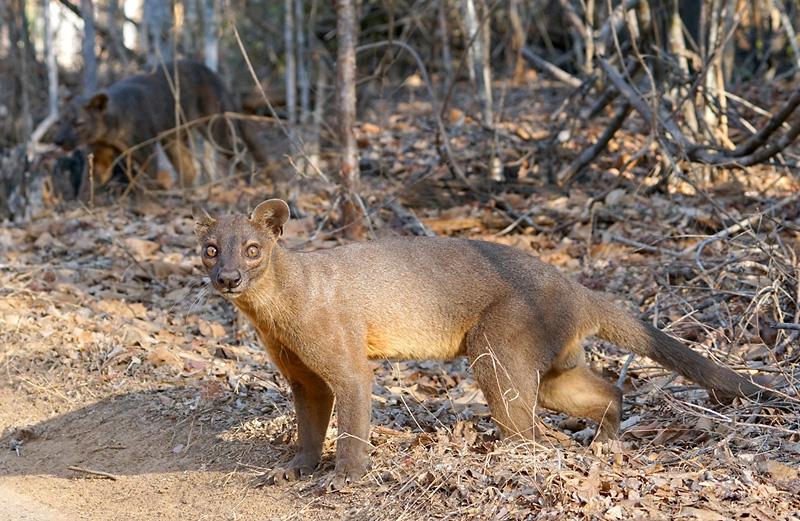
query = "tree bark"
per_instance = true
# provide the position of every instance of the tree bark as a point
(290, 57)
(302, 63)
(157, 23)
(89, 58)
(211, 10)
(346, 107)
(52, 79)
(21, 60)
(477, 53)
(517, 41)
(444, 35)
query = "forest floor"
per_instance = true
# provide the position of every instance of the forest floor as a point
(130, 390)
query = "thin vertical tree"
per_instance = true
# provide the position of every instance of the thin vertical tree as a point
(89, 57)
(478, 53)
(210, 15)
(52, 77)
(303, 63)
(21, 53)
(444, 35)
(157, 24)
(346, 108)
(290, 57)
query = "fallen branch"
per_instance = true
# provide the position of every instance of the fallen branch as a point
(644, 246)
(91, 472)
(786, 325)
(638, 102)
(410, 221)
(774, 123)
(548, 68)
(591, 152)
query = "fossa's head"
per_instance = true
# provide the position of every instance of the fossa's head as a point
(84, 121)
(236, 249)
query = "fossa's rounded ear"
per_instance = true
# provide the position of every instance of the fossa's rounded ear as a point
(272, 215)
(98, 102)
(202, 220)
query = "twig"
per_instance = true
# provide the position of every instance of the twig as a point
(99, 473)
(613, 24)
(624, 372)
(739, 226)
(644, 246)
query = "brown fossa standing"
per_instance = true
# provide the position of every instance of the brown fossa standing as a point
(322, 315)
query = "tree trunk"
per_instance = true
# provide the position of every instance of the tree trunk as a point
(52, 79)
(346, 108)
(210, 15)
(517, 42)
(444, 35)
(290, 57)
(115, 24)
(477, 53)
(89, 58)
(21, 58)
(313, 141)
(157, 22)
(211, 34)
(302, 63)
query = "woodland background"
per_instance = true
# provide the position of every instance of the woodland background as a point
(647, 148)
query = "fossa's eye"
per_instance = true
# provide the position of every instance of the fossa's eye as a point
(211, 251)
(253, 251)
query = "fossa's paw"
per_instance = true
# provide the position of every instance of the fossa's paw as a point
(297, 468)
(339, 480)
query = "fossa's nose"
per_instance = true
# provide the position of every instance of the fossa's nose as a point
(230, 279)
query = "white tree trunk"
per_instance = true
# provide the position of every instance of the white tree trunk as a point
(52, 79)
(211, 10)
(477, 52)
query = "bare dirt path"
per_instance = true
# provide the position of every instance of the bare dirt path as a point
(25, 508)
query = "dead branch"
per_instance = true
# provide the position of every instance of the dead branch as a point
(774, 123)
(410, 221)
(613, 24)
(548, 68)
(91, 472)
(786, 325)
(737, 227)
(592, 151)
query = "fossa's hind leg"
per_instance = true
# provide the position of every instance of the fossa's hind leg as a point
(521, 368)
(507, 376)
(581, 393)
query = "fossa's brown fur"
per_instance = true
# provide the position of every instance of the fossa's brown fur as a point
(136, 109)
(322, 315)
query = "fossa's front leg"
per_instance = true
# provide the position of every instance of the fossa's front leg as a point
(313, 401)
